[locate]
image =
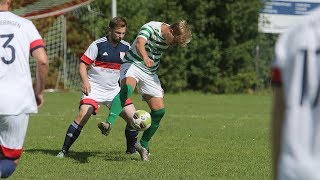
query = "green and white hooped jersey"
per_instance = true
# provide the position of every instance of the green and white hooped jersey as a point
(155, 47)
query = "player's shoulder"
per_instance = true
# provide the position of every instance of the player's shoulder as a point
(305, 27)
(21, 20)
(153, 23)
(125, 43)
(303, 33)
(153, 26)
(100, 40)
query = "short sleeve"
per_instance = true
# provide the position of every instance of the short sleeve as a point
(34, 37)
(145, 32)
(276, 77)
(91, 54)
(281, 56)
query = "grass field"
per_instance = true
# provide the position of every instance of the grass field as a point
(200, 137)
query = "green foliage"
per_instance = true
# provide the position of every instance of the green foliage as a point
(265, 55)
(227, 53)
(221, 56)
(200, 137)
(223, 48)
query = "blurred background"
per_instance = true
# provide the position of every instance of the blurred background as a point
(228, 53)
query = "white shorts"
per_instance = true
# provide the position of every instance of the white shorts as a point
(13, 129)
(148, 84)
(100, 96)
(100, 93)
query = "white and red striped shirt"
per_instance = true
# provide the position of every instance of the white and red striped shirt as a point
(18, 38)
(105, 62)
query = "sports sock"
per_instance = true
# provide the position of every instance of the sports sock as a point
(118, 103)
(7, 167)
(156, 116)
(72, 134)
(131, 138)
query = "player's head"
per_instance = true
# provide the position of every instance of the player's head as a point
(117, 28)
(180, 34)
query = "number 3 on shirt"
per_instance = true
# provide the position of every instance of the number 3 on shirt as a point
(7, 45)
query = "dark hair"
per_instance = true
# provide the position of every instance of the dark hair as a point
(117, 22)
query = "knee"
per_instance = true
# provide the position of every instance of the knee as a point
(84, 115)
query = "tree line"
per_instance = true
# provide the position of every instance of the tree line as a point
(226, 55)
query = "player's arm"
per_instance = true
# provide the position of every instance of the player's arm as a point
(141, 50)
(276, 126)
(42, 64)
(86, 59)
(86, 88)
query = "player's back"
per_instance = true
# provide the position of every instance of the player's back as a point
(18, 37)
(14, 37)
(155, 47)
(298, 60)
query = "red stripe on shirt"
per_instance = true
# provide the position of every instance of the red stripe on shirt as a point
(108, 65)
(37, 43)
(276, 78)
(11, 153)
(86, 59)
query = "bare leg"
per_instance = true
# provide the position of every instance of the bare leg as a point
(75, 128)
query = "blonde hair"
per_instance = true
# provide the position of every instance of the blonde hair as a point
(181, 32)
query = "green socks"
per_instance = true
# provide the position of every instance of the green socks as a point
(117, 106)
(156, 116)
(118, 103)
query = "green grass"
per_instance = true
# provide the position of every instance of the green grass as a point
(200, 137)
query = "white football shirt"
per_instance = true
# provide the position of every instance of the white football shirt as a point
(18, 37)
(105, 62)
(297, 69)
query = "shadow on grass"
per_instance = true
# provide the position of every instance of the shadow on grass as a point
(120, 156)
(83, 157)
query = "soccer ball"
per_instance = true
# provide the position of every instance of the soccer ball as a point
(141, 120)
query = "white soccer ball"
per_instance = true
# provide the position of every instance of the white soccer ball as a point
(141, 120)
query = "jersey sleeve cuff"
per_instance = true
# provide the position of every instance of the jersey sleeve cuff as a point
(86, 59)
(39, 43)
(276, 77)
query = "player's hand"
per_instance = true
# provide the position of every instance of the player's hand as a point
(148, 62)
(86, 88)
(39, 99)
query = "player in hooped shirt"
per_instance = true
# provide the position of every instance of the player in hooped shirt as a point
(296, 109)
(100, 83)
(139, 71)
(18, 39)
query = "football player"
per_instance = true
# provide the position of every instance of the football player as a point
(18, 39)
(296, 109)
(100, 83)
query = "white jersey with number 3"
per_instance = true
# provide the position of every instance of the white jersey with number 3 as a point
(297, 68)
(16, 92)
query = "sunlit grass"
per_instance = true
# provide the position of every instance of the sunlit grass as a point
(201, 136)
